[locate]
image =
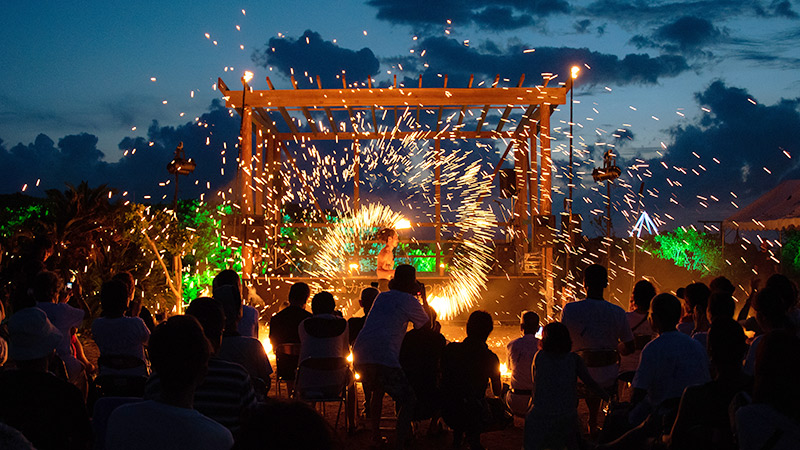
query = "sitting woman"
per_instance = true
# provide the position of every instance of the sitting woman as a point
(119, 338)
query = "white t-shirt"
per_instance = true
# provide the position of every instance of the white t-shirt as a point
(151, 425)
(64, 318)
(520, 359)
(595, 324)
(385, 327)
(668, 365)
(121, 336)
(629, 363)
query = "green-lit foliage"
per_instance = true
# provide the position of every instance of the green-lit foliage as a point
(421, 264)
(690, 249)
(790, 253)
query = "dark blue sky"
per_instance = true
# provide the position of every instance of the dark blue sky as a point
(679, 85)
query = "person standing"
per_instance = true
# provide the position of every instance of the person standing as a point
(600, 333)
(520, 360)
(376, 351)
(385, 270)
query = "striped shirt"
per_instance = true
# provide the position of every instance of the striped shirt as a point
(224, 396)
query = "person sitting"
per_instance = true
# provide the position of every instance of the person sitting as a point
(324, 347)
(668, 365)
(283, 329)
(599, 332)
(49, 411)
(702, 420)
(324, 334)
(771, 313)
(226, 393)
(553, 419)
(135, 307)
(120, 339)
(420, 357)
(376, 352)
(467, 368)
(355, 324)
(520, 359)
(243, 350)
(696, 296)
(720, 306)
(643, 293)
(772, 421)
(179, 354)
(64, 317)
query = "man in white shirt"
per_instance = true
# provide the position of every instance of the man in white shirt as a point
(520, 360)
(179, 353)
(599, 332)
(376, 351)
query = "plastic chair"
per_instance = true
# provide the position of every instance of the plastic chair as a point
(324, 380)
(283, 353)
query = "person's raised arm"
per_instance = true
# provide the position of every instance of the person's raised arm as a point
(745, 311)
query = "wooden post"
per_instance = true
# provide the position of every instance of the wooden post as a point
(521, 205)
(271, 199)
(437, 183)
(356, 170)
(547, 204)
(245, 186)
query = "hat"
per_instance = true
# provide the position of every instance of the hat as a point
(31, 335)
(405, 279)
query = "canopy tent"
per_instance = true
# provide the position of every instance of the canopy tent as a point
(776, 210)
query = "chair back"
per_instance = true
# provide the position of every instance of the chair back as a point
(323, 378)
(288, 349)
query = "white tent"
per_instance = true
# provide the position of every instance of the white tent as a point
(778, 209)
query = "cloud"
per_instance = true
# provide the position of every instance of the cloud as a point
(582, 26)
(724, 159)
(687, 34)
(638, 12)
(504, 14)
(76, 158)
(448, 56)
(310, 55)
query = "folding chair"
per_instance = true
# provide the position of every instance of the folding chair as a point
(324, 380)
(285, 354)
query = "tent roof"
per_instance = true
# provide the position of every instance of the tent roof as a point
(775, 210)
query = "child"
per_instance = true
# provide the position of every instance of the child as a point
(553, 420)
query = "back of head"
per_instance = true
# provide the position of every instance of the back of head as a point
(179, 352)
(722, 284)
(665, 310)
(726, 343)
(405, 279)
(595, 277)
(786, 288)
(226, 290)
(114, 298)
(529, 322)
(681, 293)
(777, 371)
(479, 325)
(45, 286)
(298, 294)
(556, 338)
(384, 234)
(127, 279)
(770, 305)
(323, 303)
(721, 305)
(210, 315)
(368, 296)
(285, 425)
(697, 295)
(643, 293)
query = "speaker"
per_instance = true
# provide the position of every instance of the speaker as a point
(507, 179)
(505, 258)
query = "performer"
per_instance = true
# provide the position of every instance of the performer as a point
(385, 270)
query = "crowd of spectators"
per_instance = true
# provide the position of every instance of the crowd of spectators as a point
(673, 372)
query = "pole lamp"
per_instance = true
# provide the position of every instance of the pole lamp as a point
(574, 71)
(179, 166)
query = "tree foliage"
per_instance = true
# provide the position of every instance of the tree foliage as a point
(688, 248)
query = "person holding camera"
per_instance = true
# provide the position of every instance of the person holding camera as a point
(376, 351)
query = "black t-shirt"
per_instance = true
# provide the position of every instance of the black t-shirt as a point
(466, 369)
(283, 325)
(50, 412)
(420, 357)
(355, 324)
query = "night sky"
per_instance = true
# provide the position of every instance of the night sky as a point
(699, 98)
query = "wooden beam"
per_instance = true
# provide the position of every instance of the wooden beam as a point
(502, 122)
(311, 122)
(390, 97)
(395, 134)
(464, 108)
(286, 117)
(486, 107)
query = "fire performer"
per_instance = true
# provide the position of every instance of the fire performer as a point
(385, 270)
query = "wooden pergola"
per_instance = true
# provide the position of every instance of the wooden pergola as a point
(275, 118)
